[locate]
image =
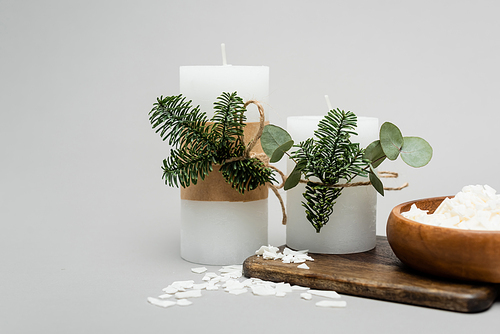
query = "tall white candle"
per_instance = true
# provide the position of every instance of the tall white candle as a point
(223, 232)
(203, 84)
(351, 228)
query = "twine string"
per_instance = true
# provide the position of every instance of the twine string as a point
(262, 156)
(381, 174)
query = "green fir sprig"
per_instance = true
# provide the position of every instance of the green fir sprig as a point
(331, 158)
(199, 143)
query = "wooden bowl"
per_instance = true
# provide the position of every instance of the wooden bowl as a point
(442, 251)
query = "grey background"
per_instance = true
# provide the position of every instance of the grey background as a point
(88, 230)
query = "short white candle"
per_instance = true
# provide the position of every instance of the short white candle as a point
(351, 228)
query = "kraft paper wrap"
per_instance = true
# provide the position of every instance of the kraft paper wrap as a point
(215, 188)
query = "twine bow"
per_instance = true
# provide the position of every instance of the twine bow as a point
(262, 156)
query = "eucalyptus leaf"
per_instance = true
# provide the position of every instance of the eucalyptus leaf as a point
(376, 183)
(374, 153)
(391, 140)
(416, 152)
(280, 151)
(275, 138)
(294, 178)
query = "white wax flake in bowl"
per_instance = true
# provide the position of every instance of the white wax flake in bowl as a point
(474, 208)
(229, 281)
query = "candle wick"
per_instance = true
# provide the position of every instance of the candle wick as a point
(328, 103)
(223, 49)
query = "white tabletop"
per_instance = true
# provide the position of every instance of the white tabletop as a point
(64, 273)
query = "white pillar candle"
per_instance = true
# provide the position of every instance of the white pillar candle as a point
(223, 232)
(351, 228)
(203, 84)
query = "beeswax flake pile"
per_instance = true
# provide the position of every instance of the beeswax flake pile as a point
(474, 208)
(229, 279)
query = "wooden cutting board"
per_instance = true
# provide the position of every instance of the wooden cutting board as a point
(376, 274)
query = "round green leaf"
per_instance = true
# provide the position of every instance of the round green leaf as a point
(376, 183)
(416, 152)
(278, 152)
(294, 178)
(391, 140)
(275, 138)
(374, 153)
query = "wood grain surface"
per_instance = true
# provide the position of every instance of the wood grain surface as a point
(376, 274)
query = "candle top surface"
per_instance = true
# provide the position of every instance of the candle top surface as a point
(224, 66)
(320, 117)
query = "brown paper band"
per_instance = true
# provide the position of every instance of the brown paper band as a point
(215, 188)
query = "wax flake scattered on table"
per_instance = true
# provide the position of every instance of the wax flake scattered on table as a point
(199, 270)
(288, 255)
(306, 296)
(160, 302)
(184, 302)
(181, 285)
(283, 287)
(230, 282)
(263, 290)
(212, 286)
(238, 291)
(332, 303)
(474, 208)
(324, 293)
(165, 296)
(188, 294)
(303, 266)
(228, 269)
(170, 289)
(208, 276)
(200, 286)
(233, 285)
